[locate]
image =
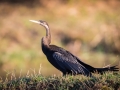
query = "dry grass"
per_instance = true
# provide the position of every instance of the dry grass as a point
(107, 81)
(93, 33)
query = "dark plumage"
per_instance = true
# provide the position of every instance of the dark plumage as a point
(65, 61)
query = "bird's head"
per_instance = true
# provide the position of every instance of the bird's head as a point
(43, 23)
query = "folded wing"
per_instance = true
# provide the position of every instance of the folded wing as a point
(70, 64)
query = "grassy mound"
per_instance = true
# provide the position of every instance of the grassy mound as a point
(107, 81)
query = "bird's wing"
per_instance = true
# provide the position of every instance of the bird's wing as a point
(69, 63)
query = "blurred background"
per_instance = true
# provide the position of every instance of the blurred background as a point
(90, 29)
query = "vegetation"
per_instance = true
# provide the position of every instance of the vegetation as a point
(107, 81)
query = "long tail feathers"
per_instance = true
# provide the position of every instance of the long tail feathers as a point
(102, 70)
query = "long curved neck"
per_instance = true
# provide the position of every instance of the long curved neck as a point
(47, 39)
(48, 34)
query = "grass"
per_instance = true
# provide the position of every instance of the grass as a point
(107, 81)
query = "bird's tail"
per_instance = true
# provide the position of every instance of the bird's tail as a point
(108, 68)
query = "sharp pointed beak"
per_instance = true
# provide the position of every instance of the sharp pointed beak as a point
(35, 21)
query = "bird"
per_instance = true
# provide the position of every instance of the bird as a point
(65, 61)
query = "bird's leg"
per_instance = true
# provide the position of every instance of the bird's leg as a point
(64, 74)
